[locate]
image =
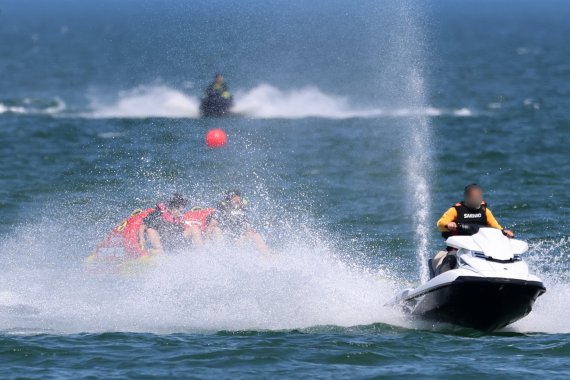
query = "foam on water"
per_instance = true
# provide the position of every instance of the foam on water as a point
(264, 101)
(29, 106)
(13, 109)
(148, 101)
(549, 260)
(45, 287)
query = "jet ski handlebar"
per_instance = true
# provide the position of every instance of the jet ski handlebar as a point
(467, 229)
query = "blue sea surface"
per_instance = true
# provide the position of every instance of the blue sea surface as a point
(356, 125)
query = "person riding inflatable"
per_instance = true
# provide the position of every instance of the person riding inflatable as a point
(124, 237)
(231, 221)
(164, 226)
(128, 239)
(196, 224)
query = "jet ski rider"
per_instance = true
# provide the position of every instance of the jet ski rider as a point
(460, 220)
(218, 88)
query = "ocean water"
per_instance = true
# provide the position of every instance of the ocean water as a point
(358, 124)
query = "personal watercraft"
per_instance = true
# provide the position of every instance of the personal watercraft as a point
(216, 105)
(488, 286)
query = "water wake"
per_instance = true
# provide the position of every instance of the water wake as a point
(549, 260)
(46, 286)
(148, 101)
(266, 101)
(262, 102)
(51, 290)
(30, 106)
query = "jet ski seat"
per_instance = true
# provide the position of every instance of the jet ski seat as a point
(449, 262)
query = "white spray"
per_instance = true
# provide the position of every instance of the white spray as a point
(264, 101)
(46, 288)
(406, 58)
(418, 171)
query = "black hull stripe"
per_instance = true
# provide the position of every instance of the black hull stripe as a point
(494, 280)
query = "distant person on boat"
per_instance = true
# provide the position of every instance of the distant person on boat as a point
(218, 88)
(217, 99)
(231, 221)
(163, 229)
(465, 218)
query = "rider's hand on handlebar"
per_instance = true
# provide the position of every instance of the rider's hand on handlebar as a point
(508, 233)
(452, 226)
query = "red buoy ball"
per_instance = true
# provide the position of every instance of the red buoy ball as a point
(216, 138)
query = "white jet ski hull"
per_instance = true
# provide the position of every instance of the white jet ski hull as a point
(483, 292)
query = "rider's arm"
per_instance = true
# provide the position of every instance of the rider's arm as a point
(258, 241)
(142, 240)
(213, 229)
(449, 216)
(155, 243)
(491, 221)
(192, 232)
(210, 91)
